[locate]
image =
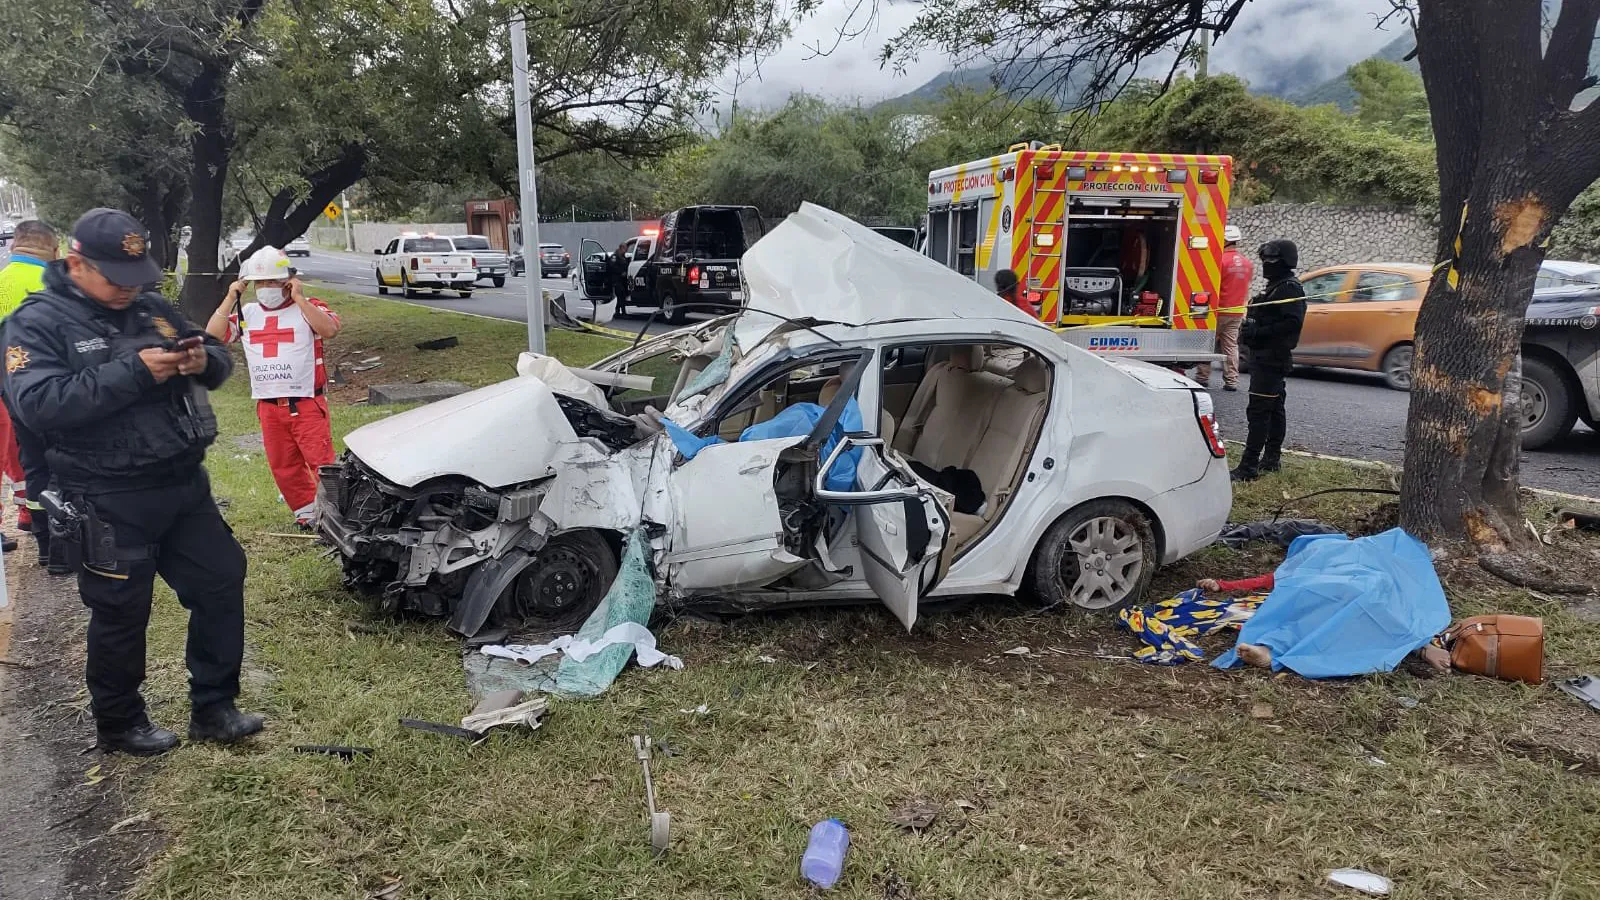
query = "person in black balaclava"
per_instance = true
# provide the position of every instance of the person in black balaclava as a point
(1271, 331)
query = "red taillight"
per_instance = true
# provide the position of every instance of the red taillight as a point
(474, 262)
(694, 274)
(1205, 414)
(566, 257)
(1199, 304)
(413, 263)
(1209, 176)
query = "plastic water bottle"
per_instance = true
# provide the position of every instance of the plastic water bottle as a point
(824, 859)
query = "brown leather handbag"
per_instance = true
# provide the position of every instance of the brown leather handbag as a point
(1506, 647)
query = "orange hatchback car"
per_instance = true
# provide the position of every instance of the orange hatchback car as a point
(1363, 317)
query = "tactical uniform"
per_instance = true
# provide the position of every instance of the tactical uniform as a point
(1271, 331)
(126, 454)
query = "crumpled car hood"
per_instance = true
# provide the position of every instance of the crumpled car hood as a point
(818, 264)
(499, 435)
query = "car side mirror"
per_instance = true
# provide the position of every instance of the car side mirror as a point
(377, 253)
(681, 257)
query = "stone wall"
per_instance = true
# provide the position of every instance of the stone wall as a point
(1331, 235)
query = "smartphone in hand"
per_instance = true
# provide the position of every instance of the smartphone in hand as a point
(185, 344)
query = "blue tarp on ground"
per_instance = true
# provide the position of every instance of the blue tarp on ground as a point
(795, 421)
(1343, 607)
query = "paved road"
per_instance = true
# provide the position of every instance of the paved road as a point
(353, 272)
(1352, 414)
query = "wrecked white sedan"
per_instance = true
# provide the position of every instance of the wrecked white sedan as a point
(981, 455)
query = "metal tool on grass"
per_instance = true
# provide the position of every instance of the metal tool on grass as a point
(660, 822)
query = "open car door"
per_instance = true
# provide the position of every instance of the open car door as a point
(747, 514)
(595, 264)
(902, 525)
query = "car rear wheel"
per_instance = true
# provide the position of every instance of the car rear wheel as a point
(466, 294)
(671, 309)
(1099, 556)
(382, 288)
(1547, 404)
(406, 290)
(1396, 368)
(569, 577)
(498, 281)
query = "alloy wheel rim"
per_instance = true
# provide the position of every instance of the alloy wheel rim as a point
(1106, 562)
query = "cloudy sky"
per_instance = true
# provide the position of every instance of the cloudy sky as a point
(1273, 41)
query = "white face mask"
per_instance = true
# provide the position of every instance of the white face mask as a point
(270, 297)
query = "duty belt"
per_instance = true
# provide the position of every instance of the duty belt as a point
(292, 403)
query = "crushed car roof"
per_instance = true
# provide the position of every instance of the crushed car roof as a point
(821, 265)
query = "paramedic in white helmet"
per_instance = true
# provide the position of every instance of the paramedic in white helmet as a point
(282, 331)
(1237, 272)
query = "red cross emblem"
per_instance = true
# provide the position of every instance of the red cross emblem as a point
(270, 336)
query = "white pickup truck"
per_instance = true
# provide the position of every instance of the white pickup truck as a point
(416, 262)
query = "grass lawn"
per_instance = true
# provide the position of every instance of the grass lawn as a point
(1056, 774)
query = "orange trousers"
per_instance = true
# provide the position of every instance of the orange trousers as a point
(11, 467)
(298, 438)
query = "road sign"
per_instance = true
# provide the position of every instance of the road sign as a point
(332, 211)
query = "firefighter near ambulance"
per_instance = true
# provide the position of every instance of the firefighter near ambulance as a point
(1120, 251)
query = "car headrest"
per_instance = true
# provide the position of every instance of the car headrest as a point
(1032, 375)
(830, 389)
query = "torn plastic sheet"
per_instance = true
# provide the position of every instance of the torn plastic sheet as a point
(561, 379)
(796, 421)
(715, 373)
(577, 649)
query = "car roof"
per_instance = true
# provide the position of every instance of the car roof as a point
(1567, 266)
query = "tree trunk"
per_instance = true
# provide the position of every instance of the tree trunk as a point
(205, 104)
(1513, 156)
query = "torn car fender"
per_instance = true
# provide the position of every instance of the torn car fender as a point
(485, 586)
(593, 489)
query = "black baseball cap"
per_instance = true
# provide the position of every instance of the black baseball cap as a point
(118, 246)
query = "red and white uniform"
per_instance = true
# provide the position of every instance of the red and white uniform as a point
(287, 377)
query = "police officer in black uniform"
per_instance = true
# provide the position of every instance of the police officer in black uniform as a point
(1271, 330)
(115, 381)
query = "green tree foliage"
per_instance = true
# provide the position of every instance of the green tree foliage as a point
(1391, 97)
(1283, 152)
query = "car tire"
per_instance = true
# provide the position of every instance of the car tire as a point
(406, 290)
(569, 577)
(382, 288)
(1099, 556)
(671, 309)
(498, 281)
(1396, 367)
(1548, 407)
(466, 294)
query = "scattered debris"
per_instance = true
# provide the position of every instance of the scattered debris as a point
(300, 536)
(343, 752)
(1376, 762)
(524, 714)
(441, 728)
(700, 710)
(1018, 651)
(660, 821)
(421, 392)
(129, 822)
(390, 890)
(1407, 702)
(1571, 518)
(966, 805)
(487, 637)
(823, 862)
(1363, 881)
(766, 659)
(358, 627)
(631, 634)
(915, 815)
(1280, 531)
(1261, 711)
(93, 775)
(1169, 627)
(443, 343)
(1584, 687)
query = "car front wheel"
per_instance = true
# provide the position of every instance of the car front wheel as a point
(1396, 368)
(1099, 556)
(569, 577)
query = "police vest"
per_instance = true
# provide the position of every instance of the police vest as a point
(281, 349)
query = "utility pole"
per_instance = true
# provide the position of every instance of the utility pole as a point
(530, 187)
(1205, 51)
(349, 230)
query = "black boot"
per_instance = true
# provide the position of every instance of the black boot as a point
(225, 725)
(1246, 472)
(147, 739)
(1271, 461)
(7, 543)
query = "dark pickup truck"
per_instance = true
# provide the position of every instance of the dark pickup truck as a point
(695, 261)
(1560, 363)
